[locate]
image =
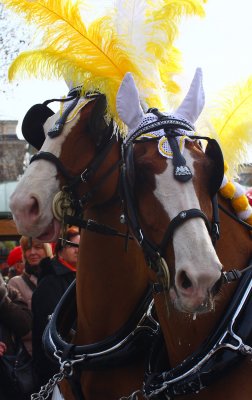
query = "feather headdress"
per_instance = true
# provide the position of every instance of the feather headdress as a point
(231, 121)
(98, 56)
(151, 27)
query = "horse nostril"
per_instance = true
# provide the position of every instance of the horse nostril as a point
(185, 281)
(34, 207)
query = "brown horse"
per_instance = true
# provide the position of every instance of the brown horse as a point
(108, 288)
(111, 280)
(185, 332)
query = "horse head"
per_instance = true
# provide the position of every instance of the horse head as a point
(59, 176)
(172, 193)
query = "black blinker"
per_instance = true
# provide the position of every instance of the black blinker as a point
(32, 126)
(214, 152)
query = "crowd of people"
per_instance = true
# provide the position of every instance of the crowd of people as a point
(28, 297)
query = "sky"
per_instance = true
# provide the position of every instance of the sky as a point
(220, 44)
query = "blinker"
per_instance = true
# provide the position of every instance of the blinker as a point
(32, 125)
(214, 152)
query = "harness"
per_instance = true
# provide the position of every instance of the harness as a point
(125, 346)
(228, 344)
(136, 335)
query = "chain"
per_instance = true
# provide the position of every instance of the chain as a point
(47, 389)
(133, 396)
(66, 370)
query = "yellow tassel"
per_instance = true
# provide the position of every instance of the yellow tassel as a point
(249, 220)
(228, 190)
(240, 203)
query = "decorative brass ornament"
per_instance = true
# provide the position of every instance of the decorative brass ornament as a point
(62, 205)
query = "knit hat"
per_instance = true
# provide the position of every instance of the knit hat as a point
(15, 256)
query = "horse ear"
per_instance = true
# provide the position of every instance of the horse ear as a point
(128, 103)
(194, 101)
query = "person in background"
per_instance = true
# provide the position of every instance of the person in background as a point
(15, 262)
(15, 322)
(55, 277)
(33, 252)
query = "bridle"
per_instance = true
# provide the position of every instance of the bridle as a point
(154, 253)
(66, 203)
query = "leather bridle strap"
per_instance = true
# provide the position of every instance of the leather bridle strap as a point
(93, 226)
(87, 196)
(96, 162)
(73, 181)
(179, 220)
(59, 125)
(45, 155)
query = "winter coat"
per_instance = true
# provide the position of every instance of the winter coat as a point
(14, 314)
(18, 283)
(15, 322)
(52, 284)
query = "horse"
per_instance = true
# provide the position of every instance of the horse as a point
(68, 151)
(111, 280)
(205, 336)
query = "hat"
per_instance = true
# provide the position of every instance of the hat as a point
(15, 256)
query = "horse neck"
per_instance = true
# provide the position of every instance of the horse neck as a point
(184, 333)
(110, 280)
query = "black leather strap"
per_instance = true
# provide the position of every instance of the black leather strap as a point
(190, 376)
(178, 220)
(28, 282)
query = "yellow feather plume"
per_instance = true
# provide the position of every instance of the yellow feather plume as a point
(151, 27)
(231, 119)
(94, 57)
(164, 20)
(168, 14)
(97, 56)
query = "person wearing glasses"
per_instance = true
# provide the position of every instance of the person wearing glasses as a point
(56, 274)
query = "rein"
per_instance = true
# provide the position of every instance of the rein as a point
(235, 218)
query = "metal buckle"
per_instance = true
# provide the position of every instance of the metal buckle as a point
(83, 175)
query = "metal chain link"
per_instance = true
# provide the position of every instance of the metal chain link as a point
(47, 389)
(133, 396)
(66, 370)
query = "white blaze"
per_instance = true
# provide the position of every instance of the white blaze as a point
(192, 244)
(40, 182)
